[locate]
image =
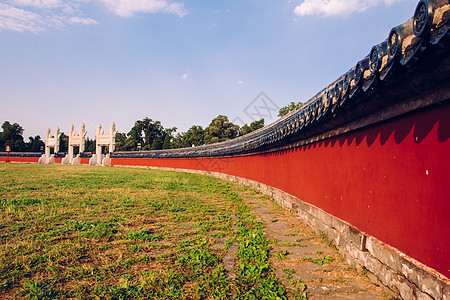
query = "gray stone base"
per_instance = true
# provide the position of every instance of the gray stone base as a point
(385, 265)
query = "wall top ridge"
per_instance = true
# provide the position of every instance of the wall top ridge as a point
(413, 60)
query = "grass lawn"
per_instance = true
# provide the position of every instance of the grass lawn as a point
(117, 233)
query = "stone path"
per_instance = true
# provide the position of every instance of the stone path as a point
(305, 263)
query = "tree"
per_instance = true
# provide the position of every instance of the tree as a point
(63, 142)
(288, 108)
(220, 129)
(168, 138)
(153, 134)
(253, 126)
(121, 139)
(134, 137)
(35, 143)
(12, 136)
(90, 145)
(150, 134)
(194, 136)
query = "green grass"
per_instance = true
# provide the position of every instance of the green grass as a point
(119, 233)
(282, 254)
(319, 261)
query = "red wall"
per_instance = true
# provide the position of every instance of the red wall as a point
(390, 181)
(20, 159)
(84, 161)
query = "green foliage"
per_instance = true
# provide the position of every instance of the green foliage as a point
(121, 140)
(146, 133)
(144, 235)
(288, 108)
(252, 127)
(327, 240)
(288, 272)
(63, 142)
(301, 292)
(21, 201)
(35, 144)
(193, 137)
(167, 142)
(220, 129)
(255, 278)
(12, 136)
(319, 261)
(97, 229)
(38, 290)
(282, 254)
(90, 145)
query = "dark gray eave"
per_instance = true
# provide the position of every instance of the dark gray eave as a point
(390, 81)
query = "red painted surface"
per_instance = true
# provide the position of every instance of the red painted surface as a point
(20, 159)
(84, 161)
(390, 181)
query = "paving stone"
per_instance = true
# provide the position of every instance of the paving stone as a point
(331, 280)
(309, 251)
(362, 296)
(229, 261)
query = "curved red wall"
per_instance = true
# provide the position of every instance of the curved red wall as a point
(390, 180)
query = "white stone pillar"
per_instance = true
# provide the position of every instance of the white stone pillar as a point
(51, 142)
(57, 135)
(48, 136)
(70, 146)
(103, 139)
(112, 136)
(76, 140)
(82, 133)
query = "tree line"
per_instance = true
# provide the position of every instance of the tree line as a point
(12, 136)
(146, 134)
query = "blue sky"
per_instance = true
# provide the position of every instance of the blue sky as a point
(179, 62)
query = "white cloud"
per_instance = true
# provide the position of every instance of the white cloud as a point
(39, 15)
(45, 4)
(240, 82)
(128, 8)
(184, 77)
(84, 21)
(336, 7)
(16, 19)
